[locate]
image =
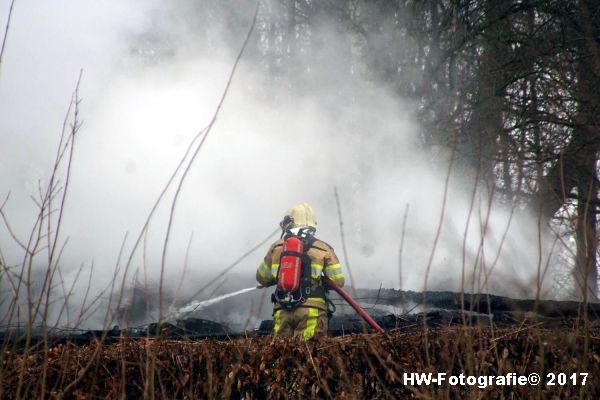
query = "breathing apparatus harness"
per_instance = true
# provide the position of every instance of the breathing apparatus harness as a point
(294, 284)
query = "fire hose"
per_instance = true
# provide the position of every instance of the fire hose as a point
(353, 303)
(334, 286)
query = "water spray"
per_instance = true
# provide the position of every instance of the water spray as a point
(199, 305)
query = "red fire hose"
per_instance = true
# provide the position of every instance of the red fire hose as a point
(332, 285)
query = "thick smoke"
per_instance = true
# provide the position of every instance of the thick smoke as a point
(153, 75)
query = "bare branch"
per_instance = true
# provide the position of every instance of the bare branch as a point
(6, 28)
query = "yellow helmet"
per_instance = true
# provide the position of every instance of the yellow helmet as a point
(300, 215)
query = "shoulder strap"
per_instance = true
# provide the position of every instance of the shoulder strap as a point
(308, 242)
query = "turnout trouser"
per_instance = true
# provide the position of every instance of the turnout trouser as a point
(301, 321)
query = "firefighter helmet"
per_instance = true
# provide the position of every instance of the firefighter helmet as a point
(300, 215)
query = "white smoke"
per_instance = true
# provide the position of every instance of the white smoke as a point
(269, 149)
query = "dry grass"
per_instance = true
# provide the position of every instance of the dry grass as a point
(350, 367)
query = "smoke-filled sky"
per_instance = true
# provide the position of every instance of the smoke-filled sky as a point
(152, 78)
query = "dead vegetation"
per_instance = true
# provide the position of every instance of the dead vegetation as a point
(349, 367)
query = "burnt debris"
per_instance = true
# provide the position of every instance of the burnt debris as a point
(431, 309)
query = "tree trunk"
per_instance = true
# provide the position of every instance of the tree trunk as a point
(485, 125)
(588, 92)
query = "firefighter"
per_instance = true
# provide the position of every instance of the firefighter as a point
(300, 310)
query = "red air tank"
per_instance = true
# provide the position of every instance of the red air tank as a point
(290, 266)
